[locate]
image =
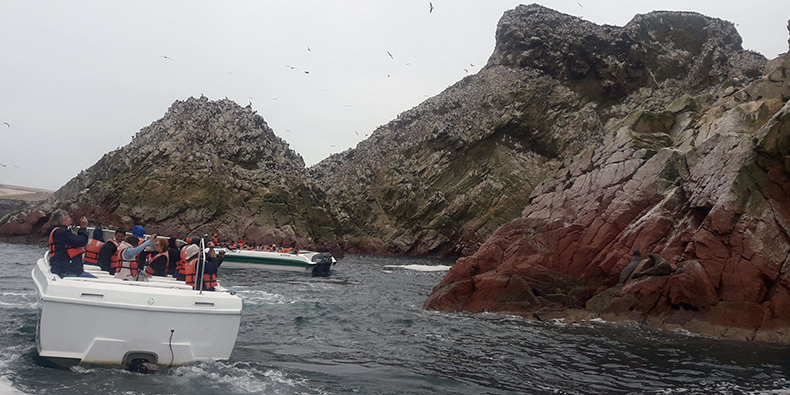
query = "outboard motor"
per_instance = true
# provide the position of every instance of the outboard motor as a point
(324, 263)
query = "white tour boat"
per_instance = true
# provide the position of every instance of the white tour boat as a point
(109, 321)
(316, 263)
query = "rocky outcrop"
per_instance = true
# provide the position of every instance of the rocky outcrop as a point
(445, 175)
(206, 166)
(703, 182)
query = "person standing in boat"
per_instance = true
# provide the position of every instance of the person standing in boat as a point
(108, 251)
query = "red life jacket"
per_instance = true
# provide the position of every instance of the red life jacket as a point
(180, 263)
(72, 251)
(123, 263)
(149, 271)
(209, 281)
(92, 250)
(189, 271)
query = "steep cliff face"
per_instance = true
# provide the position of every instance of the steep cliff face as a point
(205, 166)
(703, 183)
(444, 175)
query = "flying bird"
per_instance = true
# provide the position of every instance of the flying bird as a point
(3, 165)
(357, 133)
(332, 146)
(472, 64)
(7, 124)
(408, 64)
(308, 49)
(291, 67)
(166, 57)
(388, 53)
(466, 71)
(431, 9)
(274, 98)
(580, 4)
(306, 72)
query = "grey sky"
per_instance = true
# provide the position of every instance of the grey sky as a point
(79, 78)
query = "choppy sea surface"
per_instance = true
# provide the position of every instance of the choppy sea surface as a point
(363, 331)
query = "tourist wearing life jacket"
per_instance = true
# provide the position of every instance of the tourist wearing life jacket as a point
(127, 256)
(66, 248)
(108, 251)
(212, 265)
(157, 264)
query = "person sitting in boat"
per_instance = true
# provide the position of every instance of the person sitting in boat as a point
(142, 258)
(66, 248)
(173, 256)
(108, 250)
(215, 239)
(157, 264)
(126, 258)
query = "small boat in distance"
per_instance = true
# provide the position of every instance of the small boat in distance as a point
(316, 263)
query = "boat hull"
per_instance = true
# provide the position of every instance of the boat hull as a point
(111, 322)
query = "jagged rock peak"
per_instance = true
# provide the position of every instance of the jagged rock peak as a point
(610, 61)
(222, 126)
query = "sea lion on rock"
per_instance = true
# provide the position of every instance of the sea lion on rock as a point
(626, 273)
(657, 266)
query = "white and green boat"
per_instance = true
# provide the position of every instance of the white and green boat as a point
(316, 263)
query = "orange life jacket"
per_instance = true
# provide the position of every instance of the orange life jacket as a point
(149, 271)
(72, 251)
(189, 271)
(92, 250)
(216, 241)
(121, 263)
(232, 246)
(287, 250)
(209, 281)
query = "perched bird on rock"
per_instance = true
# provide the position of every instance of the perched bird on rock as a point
(626, 273)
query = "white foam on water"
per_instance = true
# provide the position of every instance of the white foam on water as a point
(420, 268)
(726, 389)
(241, 377)
(7, 388)
(256, 296)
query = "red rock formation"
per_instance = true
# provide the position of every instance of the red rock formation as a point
(710, 193)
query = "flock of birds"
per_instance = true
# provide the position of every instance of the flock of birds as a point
(391, 56)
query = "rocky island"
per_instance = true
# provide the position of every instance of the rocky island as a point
(692, 171)
(630, 173)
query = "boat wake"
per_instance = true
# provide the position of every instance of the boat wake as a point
(239, 377)
(420, 268)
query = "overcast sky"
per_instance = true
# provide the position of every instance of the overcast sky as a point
(78, 79)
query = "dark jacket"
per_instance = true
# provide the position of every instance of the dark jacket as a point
(175, 256)
(211, 267)
(105, 255)
(158, 266)
(60, 262)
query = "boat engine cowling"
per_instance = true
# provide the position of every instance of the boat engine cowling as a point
(323, 264)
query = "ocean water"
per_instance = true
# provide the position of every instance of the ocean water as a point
(363, 331)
